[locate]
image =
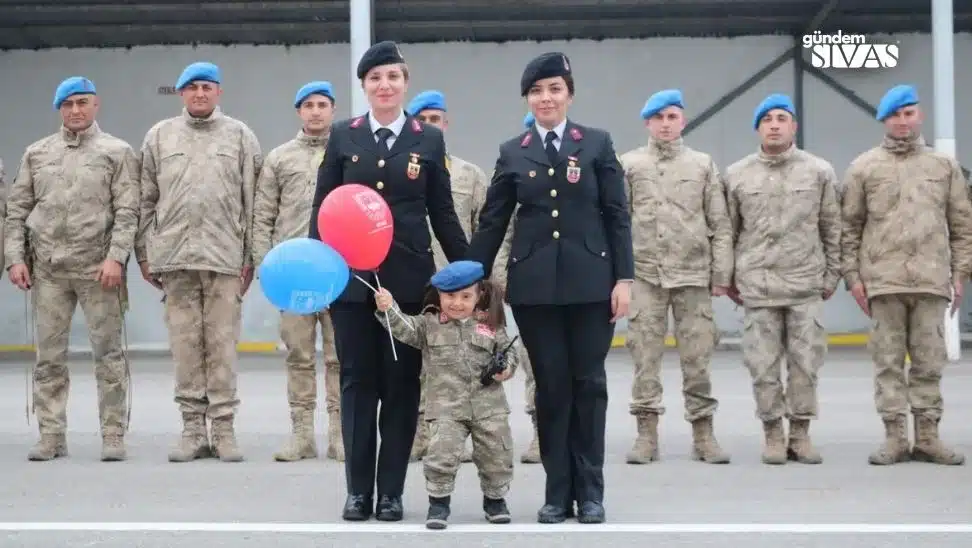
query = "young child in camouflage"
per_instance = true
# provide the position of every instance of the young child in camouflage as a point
(461, 327)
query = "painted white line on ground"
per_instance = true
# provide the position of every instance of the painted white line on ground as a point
(523, 528)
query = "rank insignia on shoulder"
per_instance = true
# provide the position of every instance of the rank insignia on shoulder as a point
(356, 123)
(416, 126)
(576, 134)
(526, 140)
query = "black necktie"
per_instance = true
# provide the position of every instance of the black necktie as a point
(551, 149)
(383, 135)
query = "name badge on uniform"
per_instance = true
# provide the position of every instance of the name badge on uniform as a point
(573, 172)
(414, 168)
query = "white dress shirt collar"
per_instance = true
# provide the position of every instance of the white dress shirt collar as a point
(395, 127)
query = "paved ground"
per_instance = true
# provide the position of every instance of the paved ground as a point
(676, 502)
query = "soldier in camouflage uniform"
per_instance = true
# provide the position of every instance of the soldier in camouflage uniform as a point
(281, 211)
(469, 184)
(3, 215)
(460, 330)
(70, 226)
(199, 173)
(907, 246)
(683, 257)
(785, 213)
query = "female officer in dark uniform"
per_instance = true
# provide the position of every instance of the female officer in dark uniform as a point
(404, 161)
(570, 269)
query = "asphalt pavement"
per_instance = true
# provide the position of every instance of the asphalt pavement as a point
(149, 502)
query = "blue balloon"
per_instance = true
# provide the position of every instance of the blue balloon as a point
(303, 276)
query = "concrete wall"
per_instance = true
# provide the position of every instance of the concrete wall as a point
(481, 83)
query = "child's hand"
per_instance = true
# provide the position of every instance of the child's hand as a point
(503, 375)
(384, 300)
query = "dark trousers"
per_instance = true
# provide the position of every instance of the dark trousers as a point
(369, 376)
(568, 345)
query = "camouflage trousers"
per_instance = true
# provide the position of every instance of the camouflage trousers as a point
(696, 335)
(55, 300)
(530, 382)
(793, 335)
(202, 312)
(299, 334)
(492, 454)
(912, 324)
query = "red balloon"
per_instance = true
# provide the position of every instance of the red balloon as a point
(357, 222)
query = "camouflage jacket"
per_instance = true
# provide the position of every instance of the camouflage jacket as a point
(907, 220)
(785, 216)
(469, 184)
(74, 203)
(198, 180)
(679, 222)
(285, 193)
(454, 355)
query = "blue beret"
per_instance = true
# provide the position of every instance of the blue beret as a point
(773, 102)
(382, 53)
(206, 72)
(548, 65)
(529, 120)
(458, 275)
(319, 87)
(660, 101)
(75, 85)
(896, 98)
(427, 99)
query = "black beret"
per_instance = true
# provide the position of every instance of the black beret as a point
(548, 65)
(382, 53)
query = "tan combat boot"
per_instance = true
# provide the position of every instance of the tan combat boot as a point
(301, 444)
(895, 448)
(113, 448)
(705, 447)
(532, 454)
(421, 443)
(800, 448)
(49, 446)
(224, 440)
(194, 443)
(929, 447)
(645, 447)
(774, 450)
(335, 443)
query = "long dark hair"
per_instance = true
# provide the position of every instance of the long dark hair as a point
(490, 303)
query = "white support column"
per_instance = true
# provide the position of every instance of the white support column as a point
(362, 34)
(943, 55)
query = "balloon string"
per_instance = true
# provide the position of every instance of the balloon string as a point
(395, 310)
(391, 337)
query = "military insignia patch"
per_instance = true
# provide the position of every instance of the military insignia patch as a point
(357, 122)
(414, 168)
(416, 126)
(526, 140)
(576, 134)
(573, 173)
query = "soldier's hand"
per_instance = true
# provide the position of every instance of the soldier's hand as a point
(246, 278)
(147, 276)
(20, 276)
(720, 291)
(504, 375)
(733, 294)
(383, 300)
(620, 300)
(109, 274)
(957, 290)
(860, 295)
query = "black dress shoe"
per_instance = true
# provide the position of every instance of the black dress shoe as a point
(590, 512)
(389, 508)
(357, 508)
(552, 514)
